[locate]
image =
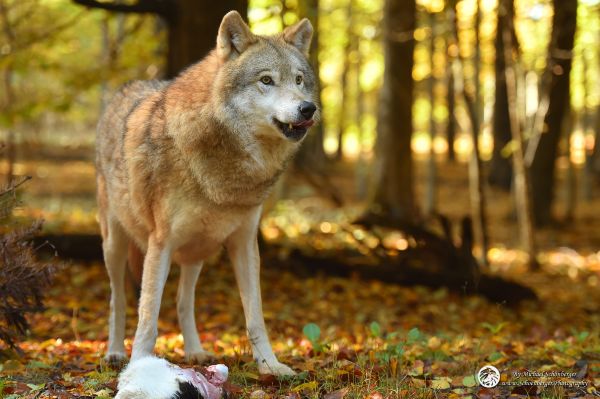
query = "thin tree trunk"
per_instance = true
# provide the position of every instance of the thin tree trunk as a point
(451, 55)
(596, 151)
(430, 192)
(344, 82)
(588, 170)
(393, 198)
(500, 168)
(9, 98)
(560, 54)
(476, 183)
(477, 66)
(451, 104)
(361, 164)
(571, 189)
(521, 176)
(312, 154)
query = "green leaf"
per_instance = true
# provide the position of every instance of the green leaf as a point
(399, 349)
(494, 329)
(495, 356)
(375, 329)
(36, 387)
(414, 335)
(36, 364)
(312, 332)
(582, 336)
(469, 381)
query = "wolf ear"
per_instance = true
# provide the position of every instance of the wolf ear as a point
(299, 35)
(234, 36)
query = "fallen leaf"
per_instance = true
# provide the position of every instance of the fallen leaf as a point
(440, 383)
(469, 381)
(259, 394)
(307, 386)
(339, 394)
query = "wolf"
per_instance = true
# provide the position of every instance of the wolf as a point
(183, 168)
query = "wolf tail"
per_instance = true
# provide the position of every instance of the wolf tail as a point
(135, 262)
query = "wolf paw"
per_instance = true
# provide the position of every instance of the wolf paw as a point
(115, 359)
(275, 368)
(200, 357)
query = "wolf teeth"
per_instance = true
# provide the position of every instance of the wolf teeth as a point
(290, 126)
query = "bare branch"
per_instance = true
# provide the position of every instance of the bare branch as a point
(161, 7)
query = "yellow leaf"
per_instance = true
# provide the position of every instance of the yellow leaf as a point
(563, 361)
(417, 369)
(307, 386)
(440, 383)
(434, 343)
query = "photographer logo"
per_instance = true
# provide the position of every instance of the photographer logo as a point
(488, 376)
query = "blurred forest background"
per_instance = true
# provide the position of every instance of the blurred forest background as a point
(440, 109)
(459, 139)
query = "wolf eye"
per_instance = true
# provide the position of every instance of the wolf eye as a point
(266, 80)
(298, 79)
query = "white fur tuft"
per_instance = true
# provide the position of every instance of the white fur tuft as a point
(148, 377)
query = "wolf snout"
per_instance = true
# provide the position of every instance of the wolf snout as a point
(307, 109)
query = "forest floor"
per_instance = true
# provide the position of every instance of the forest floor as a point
(376, 340)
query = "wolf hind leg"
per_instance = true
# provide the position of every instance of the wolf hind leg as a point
(114, 245)
(186, 315)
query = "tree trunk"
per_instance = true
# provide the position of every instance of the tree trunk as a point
(500, 167)
(9, 98)
(312, 154)
(596, 151)
(476, 182)
(344, 82)
(193, 27)
(451, 55)
(430, 205)
(477, 66)
(394, 192)
(521, 176)
(558, 68)
(451, 104)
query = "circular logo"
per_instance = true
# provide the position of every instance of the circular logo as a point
(488, 376)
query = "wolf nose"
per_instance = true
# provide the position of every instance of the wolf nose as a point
(307, 109)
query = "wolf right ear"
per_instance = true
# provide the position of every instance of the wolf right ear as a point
(299, 35)
(234, 36)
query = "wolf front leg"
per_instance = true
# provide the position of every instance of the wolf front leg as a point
(242, 248)
(186, 296)
(154, 276)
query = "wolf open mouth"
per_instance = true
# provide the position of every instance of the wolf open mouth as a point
(294, 131)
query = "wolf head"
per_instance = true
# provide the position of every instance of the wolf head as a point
(265, 84)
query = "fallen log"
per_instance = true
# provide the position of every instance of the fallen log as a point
(434, 262)
(494, 288)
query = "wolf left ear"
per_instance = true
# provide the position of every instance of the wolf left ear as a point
(234, 36)
(299, 35)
